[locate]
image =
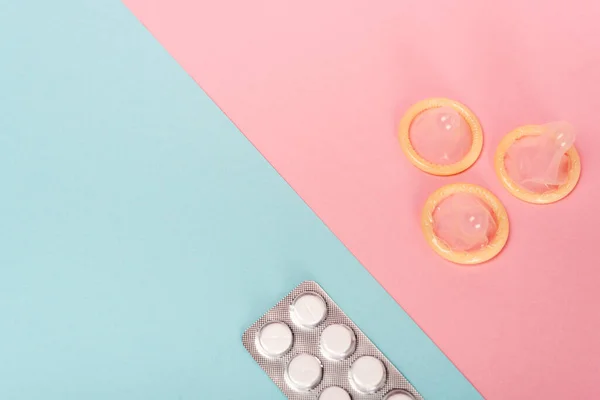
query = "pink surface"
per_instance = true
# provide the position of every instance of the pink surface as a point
(319, 87)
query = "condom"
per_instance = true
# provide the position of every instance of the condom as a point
(465, 223)
(441, 136)
(539, 163)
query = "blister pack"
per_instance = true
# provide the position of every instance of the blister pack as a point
(313, 351)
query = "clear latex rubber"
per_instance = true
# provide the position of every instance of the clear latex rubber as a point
(464, 222)
(441, 135)
(539, 162)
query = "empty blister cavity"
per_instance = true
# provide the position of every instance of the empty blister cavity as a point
(441, 136)
(274, 339)
(367, 374)
(308, 310)
(465, 223)
(334, 393)
(399, 394)
(539, 163)
(337, 342)
(304, 372)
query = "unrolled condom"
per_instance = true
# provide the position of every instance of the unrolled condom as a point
(539, 163)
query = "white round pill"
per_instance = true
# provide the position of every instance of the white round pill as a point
(367, 374)
(337, 342)
(304, 372)
(399, 394)
(275, 339)
(308, 310)
(334, 393)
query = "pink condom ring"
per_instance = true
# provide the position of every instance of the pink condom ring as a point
(551, 195)
(457, 111)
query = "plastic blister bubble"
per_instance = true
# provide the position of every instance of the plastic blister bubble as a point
(330, 358)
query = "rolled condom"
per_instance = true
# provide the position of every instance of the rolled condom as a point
(440, 136)
(539, 163)
(465, 223)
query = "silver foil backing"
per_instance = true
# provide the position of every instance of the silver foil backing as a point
(335, 373)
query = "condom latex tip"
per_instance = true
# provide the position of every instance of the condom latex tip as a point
(441, 135)
(464, 222)
(539, 162)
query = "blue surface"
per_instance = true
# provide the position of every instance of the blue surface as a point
(141, 233)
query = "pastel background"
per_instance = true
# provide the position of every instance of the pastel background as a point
(319, 87)
(141, 233)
